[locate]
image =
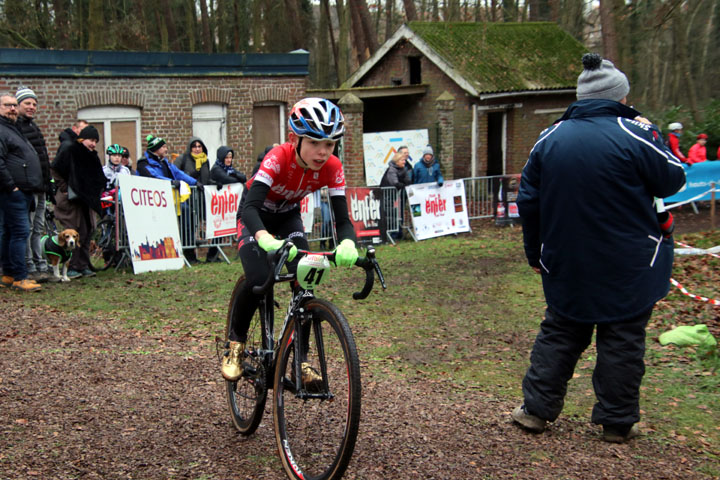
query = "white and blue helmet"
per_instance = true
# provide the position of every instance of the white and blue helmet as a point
(317, 118)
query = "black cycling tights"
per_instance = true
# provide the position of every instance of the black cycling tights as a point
(254, 262)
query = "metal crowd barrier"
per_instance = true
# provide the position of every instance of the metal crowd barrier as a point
(479, 191)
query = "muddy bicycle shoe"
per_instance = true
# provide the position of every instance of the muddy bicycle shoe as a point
(230, 363)
(529, 422)
(311, 379)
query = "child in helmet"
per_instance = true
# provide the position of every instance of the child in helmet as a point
(270, 208)
(114, 167)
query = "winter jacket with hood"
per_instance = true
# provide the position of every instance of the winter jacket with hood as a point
(221, 174)
(186, 163)
(19, 162)
(589, 223)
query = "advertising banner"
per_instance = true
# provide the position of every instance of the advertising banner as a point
(506, 209)
(220, 209)
(151, 223)
(699, 178)
(307, 211)
(381, 146)
(364, 207)
(437, 211)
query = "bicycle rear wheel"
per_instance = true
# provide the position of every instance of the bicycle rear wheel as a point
(246, 397)
(316, 435)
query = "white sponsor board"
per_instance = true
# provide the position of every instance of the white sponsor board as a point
(221, 209)
(380, 147)
(151, 222)
(437, 211)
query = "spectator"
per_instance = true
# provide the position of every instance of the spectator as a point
(20, 177)
(69, 135)
(35, 257)
(396, 176)
(428, 170)
(80, 179)
(222, 172)
(698, 152)
(580, 212)
(408, 160)
(261, 156)
(114, 167)
(126, 162)
(154, 164)
(194, 161)
(676, 129)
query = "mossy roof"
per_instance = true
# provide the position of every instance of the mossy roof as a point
(506, 57)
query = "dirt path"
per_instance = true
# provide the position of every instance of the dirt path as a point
(82, 399)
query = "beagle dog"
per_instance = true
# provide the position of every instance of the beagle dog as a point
(59, 248)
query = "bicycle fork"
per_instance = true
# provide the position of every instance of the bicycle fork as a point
(305, 323)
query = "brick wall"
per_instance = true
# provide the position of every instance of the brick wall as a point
(165, 104)
(523, 124)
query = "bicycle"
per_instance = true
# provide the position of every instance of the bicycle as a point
(103, 239)
(315, 428)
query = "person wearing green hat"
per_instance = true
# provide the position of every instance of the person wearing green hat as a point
(154, 164)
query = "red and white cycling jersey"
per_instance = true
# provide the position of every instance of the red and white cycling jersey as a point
(290, 183)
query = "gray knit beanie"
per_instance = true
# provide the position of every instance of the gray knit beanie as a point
(600, 79)
(428, 151)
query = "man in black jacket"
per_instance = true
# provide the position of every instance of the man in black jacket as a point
(27, 107)
(20, 176)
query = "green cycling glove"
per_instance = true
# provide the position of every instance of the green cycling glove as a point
(346, 254)
(269, 243)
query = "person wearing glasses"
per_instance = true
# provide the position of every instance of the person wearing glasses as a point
(20, 176)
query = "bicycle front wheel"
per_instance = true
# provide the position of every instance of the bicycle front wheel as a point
(316, 428)
(247, 396)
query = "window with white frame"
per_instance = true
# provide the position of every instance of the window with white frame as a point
(115, 124)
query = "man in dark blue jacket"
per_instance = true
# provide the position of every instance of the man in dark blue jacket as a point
(591, 227)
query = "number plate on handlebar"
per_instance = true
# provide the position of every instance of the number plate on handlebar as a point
(312, 271)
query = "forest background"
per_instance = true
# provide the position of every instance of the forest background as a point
(670, 49)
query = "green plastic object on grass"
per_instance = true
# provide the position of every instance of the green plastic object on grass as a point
(688, 335)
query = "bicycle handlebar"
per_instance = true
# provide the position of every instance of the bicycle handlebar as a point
(277, 259)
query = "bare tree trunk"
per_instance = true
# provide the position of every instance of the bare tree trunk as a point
(609, 36)
(388, 18)
(293, 17)
(410, 11)
(166, 12)
(62, 24)
(325, 5)
(368, 31)
(205, 20)
(96, 26)
(361, 48)
(343, 13)
(684, 74)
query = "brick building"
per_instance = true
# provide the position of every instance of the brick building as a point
(483, 91)
(240, 100)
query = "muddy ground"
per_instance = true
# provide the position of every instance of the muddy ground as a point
(82, 398)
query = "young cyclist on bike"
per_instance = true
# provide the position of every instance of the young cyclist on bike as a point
(270, 208)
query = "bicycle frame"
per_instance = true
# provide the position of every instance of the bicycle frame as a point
(296, 314)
